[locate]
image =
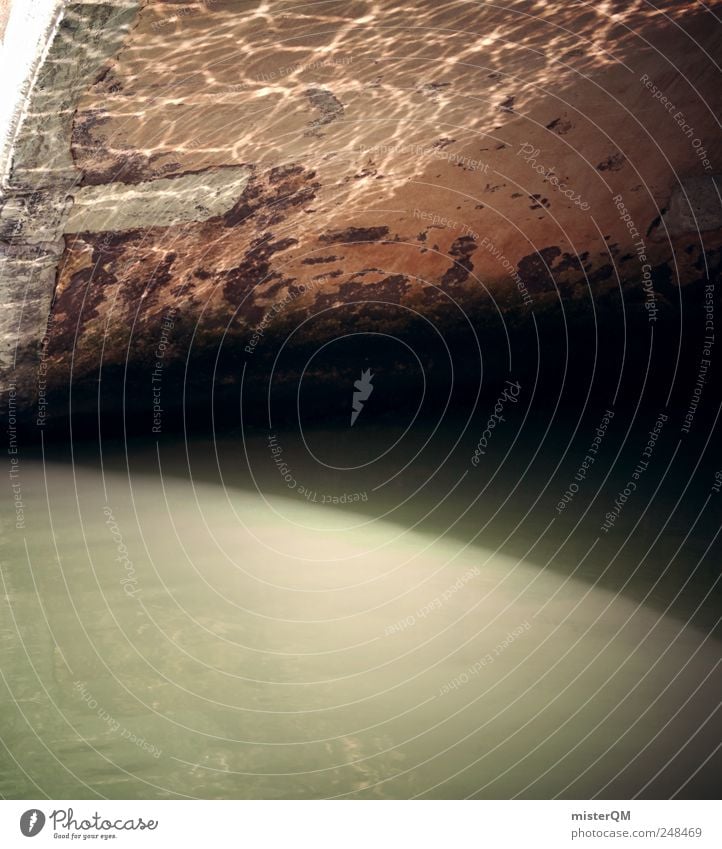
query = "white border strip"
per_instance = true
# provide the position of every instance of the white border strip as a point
(354, 825)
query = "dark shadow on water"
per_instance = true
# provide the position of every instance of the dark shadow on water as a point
(530, 496)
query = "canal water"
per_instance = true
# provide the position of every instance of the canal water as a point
(179, 621)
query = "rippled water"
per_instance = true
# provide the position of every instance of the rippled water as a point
(165, 635)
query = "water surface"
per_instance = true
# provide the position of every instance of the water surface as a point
(166, 634)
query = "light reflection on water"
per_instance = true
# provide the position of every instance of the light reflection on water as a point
(172, 638)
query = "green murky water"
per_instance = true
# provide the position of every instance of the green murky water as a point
(164, 634)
